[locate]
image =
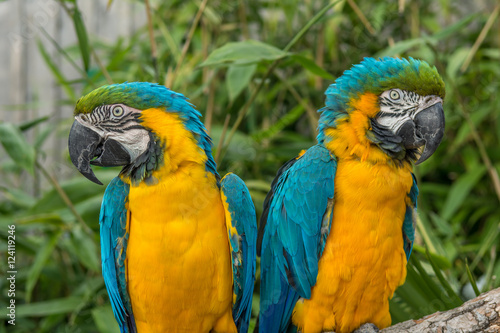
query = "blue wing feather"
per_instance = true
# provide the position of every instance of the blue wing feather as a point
(409, 222)
(113, 223)
(292, 234)
(243, 247)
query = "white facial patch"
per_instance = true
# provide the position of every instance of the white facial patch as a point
(398, 106)
(136, 141)
(118, 122)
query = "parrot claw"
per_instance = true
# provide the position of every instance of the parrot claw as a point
(367, 328)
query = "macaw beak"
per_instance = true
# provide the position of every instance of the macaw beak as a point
(88, 147)
(426, 129)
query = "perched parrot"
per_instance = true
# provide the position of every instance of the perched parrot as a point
(178, 244)
(339, 222)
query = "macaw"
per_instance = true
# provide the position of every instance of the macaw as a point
(338, 224)
(178, 244)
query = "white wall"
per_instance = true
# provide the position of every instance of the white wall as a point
(28, 89)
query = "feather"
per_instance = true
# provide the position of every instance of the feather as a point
(242, 233)
(292, 237)
(113, 222)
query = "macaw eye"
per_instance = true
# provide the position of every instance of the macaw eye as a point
(394, 95)
(117, 111)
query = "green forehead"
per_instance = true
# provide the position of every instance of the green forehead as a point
(406, 74)
(423, 80)
(377, 76)
(137, 95)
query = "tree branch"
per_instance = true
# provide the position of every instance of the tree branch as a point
(479, 315)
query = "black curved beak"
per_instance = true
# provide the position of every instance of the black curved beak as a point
(82, 144)
(87, 147)
(430, 128)
(426, 129)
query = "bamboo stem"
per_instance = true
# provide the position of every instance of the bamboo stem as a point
(154, 52)
(171, 78)
(482, 151)
(102, 67)
(311, 111)
(221, 139)
(210, 106)
(480, 38)
(64, 197)
(362, 17)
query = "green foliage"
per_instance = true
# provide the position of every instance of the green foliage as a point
(266, 64)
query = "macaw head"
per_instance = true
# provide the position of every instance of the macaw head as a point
(395, 105)
(141, 126)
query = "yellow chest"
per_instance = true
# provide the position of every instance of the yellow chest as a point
(364, 261)
(179, 276)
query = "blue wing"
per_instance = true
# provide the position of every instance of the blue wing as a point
(292, 234)
(410, 220)
(242, 232)
(113, 223)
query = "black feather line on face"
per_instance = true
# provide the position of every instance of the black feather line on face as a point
(142, 168)
(390, 143)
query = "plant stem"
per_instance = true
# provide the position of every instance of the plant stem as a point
(475, 134)
(480, 145)
(64, 197)
(154, 52)
(65, 55)
(480, 38)
(311, 112)
(171, 78)
(222, 136)
(102, 67)
(243, 111)
(362, 17)
(309, 24)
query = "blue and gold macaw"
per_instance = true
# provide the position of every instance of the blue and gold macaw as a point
(338, 224)
(177, 242)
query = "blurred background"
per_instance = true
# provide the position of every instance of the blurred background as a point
(257, 71)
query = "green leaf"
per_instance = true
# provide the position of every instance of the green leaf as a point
(399, 47)
(41, 258)
(42, 136)
(452, 296)
(243, 53)
(454, 28)
(430, 238)
(459, 191)
(237, 79)
(441, 261)
(471, 279)
(78, 190)
(442, 225)
(83, 41)
(32, 123)
(311, 66)
(47, 324)
(277, 127)
(433, 288)
(405, 45)
(85, 248)
(465, 129)
(414, 292)
(487, 242)
(56, 71)
(46, 308)
(18, 197)
(52, 219)
(455, 61)
(16, 146)
(241, 147)
(105, 320)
